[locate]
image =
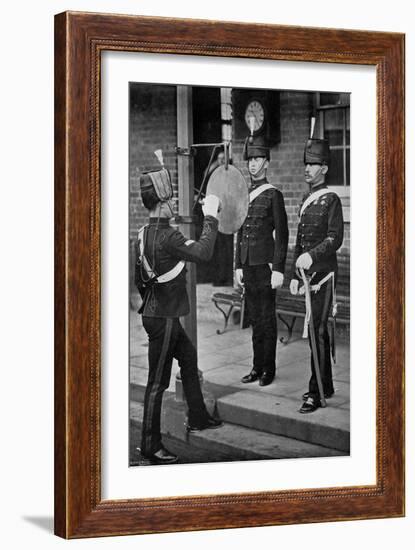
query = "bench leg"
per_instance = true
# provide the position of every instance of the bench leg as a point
(226, 316)
(290, 327)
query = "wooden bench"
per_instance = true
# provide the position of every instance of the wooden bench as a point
(233, 301)
(291, 306)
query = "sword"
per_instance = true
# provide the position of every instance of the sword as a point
(313, 336)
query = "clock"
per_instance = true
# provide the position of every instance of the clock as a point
(259, 109)
(255, 116)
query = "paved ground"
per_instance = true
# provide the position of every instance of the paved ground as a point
(224, 359)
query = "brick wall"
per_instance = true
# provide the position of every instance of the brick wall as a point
(152, 126)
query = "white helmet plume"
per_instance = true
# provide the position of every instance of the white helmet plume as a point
(159, 155)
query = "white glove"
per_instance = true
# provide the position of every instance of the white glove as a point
(277, 279)
(239, 277)
(304, 261)
(294, 286)
(210, 206)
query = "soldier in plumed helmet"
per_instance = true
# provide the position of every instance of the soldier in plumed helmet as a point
(261, 251)
(160, 276)
(319, 236)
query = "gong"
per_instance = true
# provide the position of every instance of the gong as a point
(229, 184)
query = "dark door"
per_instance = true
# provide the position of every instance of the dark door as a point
(207, 129)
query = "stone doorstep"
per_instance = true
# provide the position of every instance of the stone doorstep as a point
(230, 442)
(138, 382)
(263, 412)
(278, 415)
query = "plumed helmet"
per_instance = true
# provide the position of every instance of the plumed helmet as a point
(256, 146)
(155, 187)
(317, 151)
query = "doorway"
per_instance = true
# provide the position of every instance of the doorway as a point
(207, 129)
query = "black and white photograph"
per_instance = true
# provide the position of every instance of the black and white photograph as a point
(239, 274)
(177, 372)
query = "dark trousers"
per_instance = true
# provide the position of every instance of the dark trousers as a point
(321, 306)
(168, 340)
(260, 302)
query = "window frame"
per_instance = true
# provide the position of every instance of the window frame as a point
(343, 191)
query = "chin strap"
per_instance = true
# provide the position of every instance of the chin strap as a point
(263, 164)
(260, 170)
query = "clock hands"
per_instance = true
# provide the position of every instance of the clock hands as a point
(254, 116)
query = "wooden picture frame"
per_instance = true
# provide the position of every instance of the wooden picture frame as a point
(79, 40)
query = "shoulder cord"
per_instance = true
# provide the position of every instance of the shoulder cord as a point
(144, 273)
(149, 298)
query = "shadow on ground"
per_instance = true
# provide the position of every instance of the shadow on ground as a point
(43, 522)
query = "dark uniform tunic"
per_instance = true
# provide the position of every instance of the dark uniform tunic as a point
(320, 233)
(257, 247)
(163, 304)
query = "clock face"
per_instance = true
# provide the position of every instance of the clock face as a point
(255, 115)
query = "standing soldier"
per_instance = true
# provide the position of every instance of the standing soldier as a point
(319, 236)
(161, 280)
(261, 251)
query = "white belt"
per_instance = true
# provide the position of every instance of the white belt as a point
(315, 288)
(256, 192)
(170, 275)
(165, 277)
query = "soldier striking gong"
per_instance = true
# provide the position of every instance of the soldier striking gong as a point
(160, 278)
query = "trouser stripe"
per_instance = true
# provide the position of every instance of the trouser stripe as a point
(324, 367)
(156, 384)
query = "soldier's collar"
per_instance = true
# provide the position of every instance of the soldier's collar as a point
(314, 189)
(317, 187)
(257, 183)
(161, 221)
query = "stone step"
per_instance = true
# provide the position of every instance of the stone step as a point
(230, 442)
(328, 427)
(265, 412)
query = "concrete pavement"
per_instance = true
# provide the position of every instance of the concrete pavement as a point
(267, 414)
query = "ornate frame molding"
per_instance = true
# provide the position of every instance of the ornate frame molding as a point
(79, 40)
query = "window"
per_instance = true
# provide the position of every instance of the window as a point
(333, 115)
